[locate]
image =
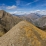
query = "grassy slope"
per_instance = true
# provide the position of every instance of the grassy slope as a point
(22, 34)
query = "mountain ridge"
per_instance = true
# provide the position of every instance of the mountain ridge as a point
(24, 34)
(7, 21)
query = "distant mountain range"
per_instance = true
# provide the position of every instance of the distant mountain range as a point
(31, 16)
(22, 30)
(41, 22)
(35, 18)
(7, 21)
(24, 34)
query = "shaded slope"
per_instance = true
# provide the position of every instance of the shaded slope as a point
(24, 34)
(2, 30)
(33, 16)
(41, 23)
(7, 21)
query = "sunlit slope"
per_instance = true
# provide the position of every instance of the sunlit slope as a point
(24, 34)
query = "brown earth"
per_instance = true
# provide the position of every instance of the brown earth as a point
(24, 34)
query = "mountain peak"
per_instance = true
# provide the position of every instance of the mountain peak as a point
(24, 34)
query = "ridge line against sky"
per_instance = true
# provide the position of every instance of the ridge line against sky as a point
(23, 6)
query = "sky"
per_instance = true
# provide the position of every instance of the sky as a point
(23, 6)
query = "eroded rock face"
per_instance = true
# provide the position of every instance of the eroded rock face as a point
(7, 20)
(24, 34)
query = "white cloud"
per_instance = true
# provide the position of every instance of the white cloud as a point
(28, 3)
(31, 2)
(11, 7)
(3, 6)
(19, 12)
(42, 12)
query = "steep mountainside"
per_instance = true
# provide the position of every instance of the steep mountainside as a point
(36, 19)
(24, 34)
(30, 17)
(41, 23)
(26, 18)
(33, 16)
(7, 21)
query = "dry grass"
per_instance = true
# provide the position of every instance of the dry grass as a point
(24, 34)
(1, 33)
